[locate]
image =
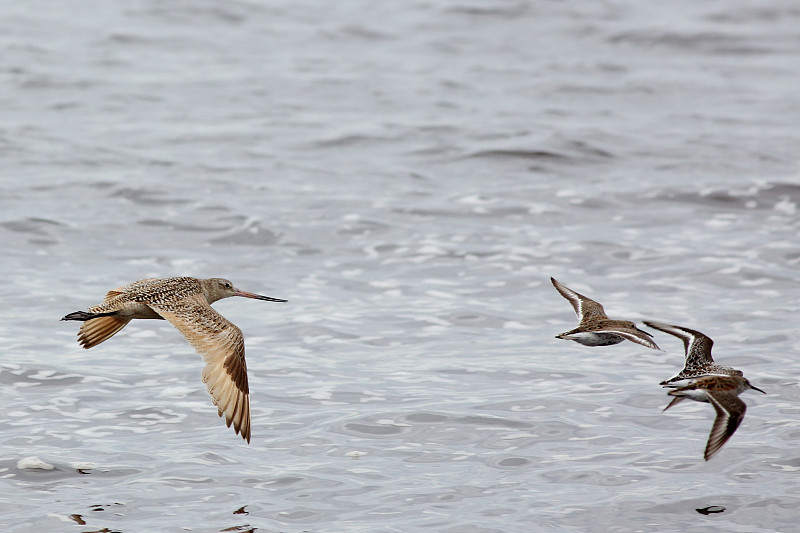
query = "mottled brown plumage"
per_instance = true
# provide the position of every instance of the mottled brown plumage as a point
(595, 328)
(186, 303)
(697, 348)
(723, 393)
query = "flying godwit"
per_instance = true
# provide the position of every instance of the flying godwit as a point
(186, 303)
(595, 328)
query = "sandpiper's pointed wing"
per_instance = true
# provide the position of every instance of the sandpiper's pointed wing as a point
(637, 336)
(675, 401)
(584, 307)
(730, 412)
(696, 345)
(221, 344)
(681, 376)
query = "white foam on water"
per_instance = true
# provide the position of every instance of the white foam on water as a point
(33, 463)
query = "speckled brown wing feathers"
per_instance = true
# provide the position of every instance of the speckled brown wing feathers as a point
(585, 308)
(633, 336)
(221, 344)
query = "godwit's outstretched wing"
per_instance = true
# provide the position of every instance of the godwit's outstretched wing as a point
(584, 307)
(221, 344)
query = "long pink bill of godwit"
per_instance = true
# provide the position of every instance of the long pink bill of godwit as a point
(186, 303)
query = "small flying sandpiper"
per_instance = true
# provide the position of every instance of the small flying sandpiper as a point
(698, 354)
(723, 393)
(595, 328)
(186, 303)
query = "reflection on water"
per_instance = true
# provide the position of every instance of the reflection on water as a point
(711, 509)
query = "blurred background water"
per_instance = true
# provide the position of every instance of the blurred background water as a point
(408, 175)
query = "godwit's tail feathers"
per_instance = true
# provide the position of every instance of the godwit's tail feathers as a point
(100, 327)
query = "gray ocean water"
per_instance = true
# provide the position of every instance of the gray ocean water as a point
(408, 175)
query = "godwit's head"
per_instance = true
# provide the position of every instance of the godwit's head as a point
(218, 288)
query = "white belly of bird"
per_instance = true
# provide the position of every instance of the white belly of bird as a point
(589, 338)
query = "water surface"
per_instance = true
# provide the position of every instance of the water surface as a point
(409, 177)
